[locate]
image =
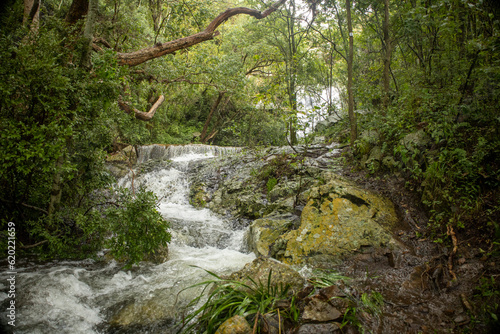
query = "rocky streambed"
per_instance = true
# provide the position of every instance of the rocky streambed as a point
(308, 212)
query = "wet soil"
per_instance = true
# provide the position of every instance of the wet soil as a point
(420, 294)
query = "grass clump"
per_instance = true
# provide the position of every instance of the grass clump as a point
(227, 298)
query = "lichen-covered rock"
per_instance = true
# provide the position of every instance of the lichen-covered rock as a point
(339, 219)
(235, 325)
(281, 274)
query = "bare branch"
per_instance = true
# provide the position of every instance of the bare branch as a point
(143, 116)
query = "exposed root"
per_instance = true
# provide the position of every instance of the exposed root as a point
(453, 236)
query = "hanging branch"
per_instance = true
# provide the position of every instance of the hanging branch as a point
(143, 116)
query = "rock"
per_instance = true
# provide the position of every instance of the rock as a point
(234, 325)
(118, 170)
(126, 156)
(327, 123)
(374, 160)
(389, 163)
(272, 324)
(461, 319)
(265, 231)
(258, 270)
(339, 219)
(328, 328)
(317, 309)
(119, 163)
(367, 139)
(159, 256)
(415, 140)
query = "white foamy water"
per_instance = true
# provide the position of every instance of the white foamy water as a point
(90, 297)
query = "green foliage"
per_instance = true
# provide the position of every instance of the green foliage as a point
(128, 225)
(370, 303)
(228, 298)
(324, 278)
(487, 294)
(271, 182)
(138, 229)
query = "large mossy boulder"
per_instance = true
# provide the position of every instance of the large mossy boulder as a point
(339, 219)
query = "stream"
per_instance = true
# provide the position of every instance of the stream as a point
(100, 297)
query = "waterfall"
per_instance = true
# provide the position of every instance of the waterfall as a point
(168, 152)
(97, 297)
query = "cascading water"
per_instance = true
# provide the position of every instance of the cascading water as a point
(95, 297)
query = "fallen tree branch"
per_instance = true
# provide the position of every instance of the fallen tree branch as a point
(160, 49)
(34, 245)
(143, 116)
(26, 205)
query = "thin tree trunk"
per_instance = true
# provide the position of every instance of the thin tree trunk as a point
(209, 118)
(88, 33)
(352, 116)
(387, 55)
(56, 191)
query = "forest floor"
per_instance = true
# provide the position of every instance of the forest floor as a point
(420, 294)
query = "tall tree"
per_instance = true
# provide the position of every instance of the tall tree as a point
(350, 55)
(387, 54)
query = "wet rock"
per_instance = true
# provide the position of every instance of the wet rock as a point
(328, 328)
(118, 163)
(126, 156)
(259, 269)
(265, 231)
(117, 170)
(272, 324)
(318, 309)
(234, 325)
(159, 256)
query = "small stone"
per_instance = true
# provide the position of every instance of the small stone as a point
(449, 312)
(328, 328)
(319, 310)
(461, 319)
(234, 325)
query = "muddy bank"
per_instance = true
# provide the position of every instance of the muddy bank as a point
(419, 287)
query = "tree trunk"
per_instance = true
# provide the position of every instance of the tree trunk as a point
(56, 191)
(158, 50)
(387, 55)
(352, 116)
(31, 15)
(88, 33)
(77, 11)
(209, 118)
